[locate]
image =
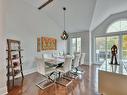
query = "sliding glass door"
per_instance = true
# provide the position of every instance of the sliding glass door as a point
(100, 49)
(124, 48)
(103, 48)
(111, 40)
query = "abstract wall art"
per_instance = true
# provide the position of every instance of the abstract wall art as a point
(48, 43)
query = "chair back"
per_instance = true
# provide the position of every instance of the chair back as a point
(55, 54)
(82, 59)
(40, 65)
(76, 53)
(76, 60)
(67, 63)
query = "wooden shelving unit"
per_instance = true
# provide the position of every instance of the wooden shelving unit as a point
(14, 59)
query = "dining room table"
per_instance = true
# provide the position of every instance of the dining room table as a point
(55, 61)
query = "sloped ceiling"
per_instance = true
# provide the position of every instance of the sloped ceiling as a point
(105, 8)
(81, 15)
(78, 14)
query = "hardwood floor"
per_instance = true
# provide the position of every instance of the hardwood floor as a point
(86, 84)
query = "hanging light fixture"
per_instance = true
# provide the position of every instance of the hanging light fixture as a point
(64, 35)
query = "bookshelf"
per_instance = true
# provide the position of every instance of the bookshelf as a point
(14, 60)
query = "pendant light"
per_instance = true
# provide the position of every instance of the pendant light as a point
(64, 35)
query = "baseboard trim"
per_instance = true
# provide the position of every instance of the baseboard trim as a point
(27, 72)
(30, 71)
(3, 91)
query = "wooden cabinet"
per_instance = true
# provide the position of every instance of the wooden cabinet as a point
(14, 60)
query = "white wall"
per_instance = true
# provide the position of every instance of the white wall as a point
(3, 88)
(25, 23)
(104, 8)
(84, 43)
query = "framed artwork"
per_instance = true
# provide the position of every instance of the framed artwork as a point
(48, 43)
(38, 44)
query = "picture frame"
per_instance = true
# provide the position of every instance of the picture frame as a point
(38, 44)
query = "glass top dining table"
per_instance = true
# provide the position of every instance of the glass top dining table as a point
(54, 61)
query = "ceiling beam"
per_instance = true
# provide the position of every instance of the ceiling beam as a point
(46, 3)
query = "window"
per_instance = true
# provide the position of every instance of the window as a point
(75, 45)
(118, 26)
(104, 43)
(124, 47)
(78, 44)
(100, 49)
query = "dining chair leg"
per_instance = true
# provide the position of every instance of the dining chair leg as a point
(51, 74)
(70, 75)
(77, 71)
(51, 82)
(50, 78)
(59, 74)
(67, 76)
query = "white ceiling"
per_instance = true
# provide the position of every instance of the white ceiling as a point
(81, 15)
(36, 3)
(105, 8)
(78, 14)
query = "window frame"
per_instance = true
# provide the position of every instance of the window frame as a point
(108, 34)
(115, 32)
(76, 43)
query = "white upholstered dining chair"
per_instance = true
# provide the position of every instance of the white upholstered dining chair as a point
(42, 69)
(82, 59)
(64, 69)
(76, 62)
(66, 66)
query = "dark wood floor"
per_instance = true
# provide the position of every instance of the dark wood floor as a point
(85, 85)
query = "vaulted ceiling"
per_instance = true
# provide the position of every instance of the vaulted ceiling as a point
(78, 14)
(105, 8)
(81, 15)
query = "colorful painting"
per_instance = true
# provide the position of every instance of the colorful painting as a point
(48, 43)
